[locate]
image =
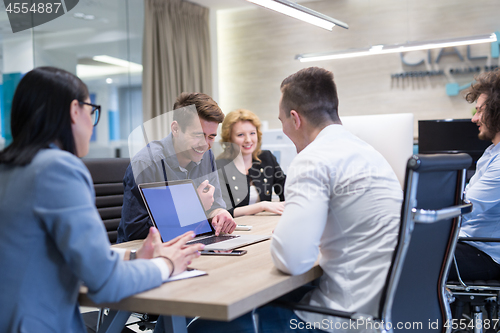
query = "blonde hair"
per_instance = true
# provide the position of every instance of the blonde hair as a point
(227, 129)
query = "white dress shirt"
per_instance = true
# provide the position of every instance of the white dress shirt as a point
(483, 191)
(254, 195)
(343, 203)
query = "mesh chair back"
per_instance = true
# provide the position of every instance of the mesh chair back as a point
(433, 182)
(414, 297)
(107, 175)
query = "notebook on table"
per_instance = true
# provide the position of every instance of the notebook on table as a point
(175, 208)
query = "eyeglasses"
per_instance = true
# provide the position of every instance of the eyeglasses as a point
(95, 113)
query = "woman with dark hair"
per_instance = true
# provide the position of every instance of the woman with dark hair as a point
(51, 236)
(249, 177)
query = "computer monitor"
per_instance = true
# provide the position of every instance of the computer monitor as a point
(280, 145)
(451, 136)
(390, 134)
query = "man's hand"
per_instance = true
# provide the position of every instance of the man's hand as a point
(273, 207)
(178, 252)
(206, 193)
(223, 222)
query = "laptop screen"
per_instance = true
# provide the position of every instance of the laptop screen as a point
(175, 209)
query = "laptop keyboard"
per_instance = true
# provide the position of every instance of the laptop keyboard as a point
(211, 240)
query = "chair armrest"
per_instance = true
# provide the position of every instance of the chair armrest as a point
(431, 216)
(479, 239)
(322, 310)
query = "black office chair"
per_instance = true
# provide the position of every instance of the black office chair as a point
(476, 296)
(415, 287)
(107, 174)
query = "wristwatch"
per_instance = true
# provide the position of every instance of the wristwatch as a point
(133, 254)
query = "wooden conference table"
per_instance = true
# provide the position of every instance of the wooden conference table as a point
(235, 285)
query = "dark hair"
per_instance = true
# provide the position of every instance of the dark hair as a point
(487, 83)
(40, 113)
(206, 107)
(312, 93)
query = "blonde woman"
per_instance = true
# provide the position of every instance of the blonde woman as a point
(250, 174)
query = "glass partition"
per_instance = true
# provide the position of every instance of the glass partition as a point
(98, 40)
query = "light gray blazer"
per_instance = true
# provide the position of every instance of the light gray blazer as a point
(51, 240)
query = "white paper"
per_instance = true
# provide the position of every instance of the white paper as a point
(187, 275)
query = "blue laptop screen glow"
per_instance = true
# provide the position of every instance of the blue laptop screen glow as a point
(176, 209)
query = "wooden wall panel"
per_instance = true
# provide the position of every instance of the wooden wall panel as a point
(257, 49)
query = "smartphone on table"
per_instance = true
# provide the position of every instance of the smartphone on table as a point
(224, 252)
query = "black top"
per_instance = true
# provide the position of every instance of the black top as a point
(265, 176)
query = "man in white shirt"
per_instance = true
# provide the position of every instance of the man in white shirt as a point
(343, 206)
(479, 260)
(347, 193)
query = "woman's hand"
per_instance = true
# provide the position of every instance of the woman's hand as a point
(273, 207)
(147, 249)
(178, 252)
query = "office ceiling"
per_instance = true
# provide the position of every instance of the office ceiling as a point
(96, 27)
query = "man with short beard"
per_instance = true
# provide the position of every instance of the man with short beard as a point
(480, 260)
(343, 206)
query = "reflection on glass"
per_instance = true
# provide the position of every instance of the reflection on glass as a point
(101, 42)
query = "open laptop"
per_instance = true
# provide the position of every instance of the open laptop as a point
(174, 207)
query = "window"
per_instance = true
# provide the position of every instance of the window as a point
(101, 42)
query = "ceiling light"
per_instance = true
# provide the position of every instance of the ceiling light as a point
(117, 62)
(300, 12)
(88, 71)
(109, 80)
(397, 48)
(83, 16)
(114, 66)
